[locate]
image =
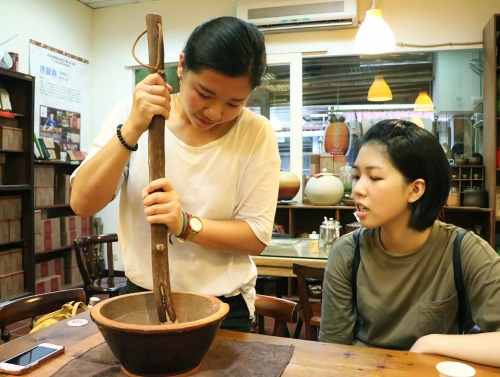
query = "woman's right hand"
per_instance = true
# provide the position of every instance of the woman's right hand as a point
(151, 97)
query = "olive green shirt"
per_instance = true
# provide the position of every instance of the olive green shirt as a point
(402, 298)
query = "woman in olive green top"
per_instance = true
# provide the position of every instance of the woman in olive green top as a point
(406, 296)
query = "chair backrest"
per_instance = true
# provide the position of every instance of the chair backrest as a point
(35, 305)
(91, 253)
(281, 310)
(304, 273)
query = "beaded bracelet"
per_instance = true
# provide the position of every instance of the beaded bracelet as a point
(122, 140)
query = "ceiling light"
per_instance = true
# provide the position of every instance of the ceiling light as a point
(374, 35)
(423, 102)
(379, 91)
(418, 122)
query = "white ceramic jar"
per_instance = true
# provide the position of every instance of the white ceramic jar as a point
(324, 189)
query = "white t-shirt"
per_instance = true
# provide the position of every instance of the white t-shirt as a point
(234, 177)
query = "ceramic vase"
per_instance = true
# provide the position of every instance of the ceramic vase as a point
(336, 136)
(324, 189)
(289, 185)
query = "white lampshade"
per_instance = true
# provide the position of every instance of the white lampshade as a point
(424, 102)
(374, 35)
(379, 91)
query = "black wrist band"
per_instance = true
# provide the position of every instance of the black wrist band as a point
(122, 140)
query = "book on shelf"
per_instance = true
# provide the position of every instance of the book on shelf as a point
(51, 147)
(76, 155)
(38, 148)
(43, 148)
(36, 151)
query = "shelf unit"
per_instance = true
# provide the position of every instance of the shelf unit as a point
(300, 219)
(467, 176)
(491, 69)
(17, 183)
(56, 227)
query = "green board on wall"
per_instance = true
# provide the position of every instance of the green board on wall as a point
(170, 72)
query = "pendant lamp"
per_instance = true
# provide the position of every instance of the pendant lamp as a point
(418, 122)
(423, 102)
(374, 35)
(379, 91)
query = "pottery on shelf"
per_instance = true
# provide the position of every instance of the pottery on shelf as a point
(337, 136)
(475, 197)
(146, 347)
(289, 185)
(324, 189)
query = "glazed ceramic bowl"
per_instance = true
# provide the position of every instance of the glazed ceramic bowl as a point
(144, 347)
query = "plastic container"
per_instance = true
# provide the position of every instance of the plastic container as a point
(453, 199)
(314, 242)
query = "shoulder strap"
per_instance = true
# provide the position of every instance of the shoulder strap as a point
(459, 281)
(355, 266)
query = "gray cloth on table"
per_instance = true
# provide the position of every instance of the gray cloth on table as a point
(224, 358)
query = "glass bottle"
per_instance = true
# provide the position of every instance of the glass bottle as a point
(354, 142)
(346, 178)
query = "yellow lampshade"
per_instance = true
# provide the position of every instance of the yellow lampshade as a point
(418, 122)
(423, 102)
(379, 91)
(374, 35)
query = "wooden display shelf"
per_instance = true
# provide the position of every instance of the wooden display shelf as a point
(300, 219)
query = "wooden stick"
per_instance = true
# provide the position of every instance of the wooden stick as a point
(156, 151)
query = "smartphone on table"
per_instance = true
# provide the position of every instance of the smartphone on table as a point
(30, 359)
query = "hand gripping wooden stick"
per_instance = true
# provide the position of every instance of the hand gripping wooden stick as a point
(156, 151)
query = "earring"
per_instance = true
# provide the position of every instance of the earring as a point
(180, 79)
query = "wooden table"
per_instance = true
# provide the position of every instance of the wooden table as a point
(277, 258)
(310, 359)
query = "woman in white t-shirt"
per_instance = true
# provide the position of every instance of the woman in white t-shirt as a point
(218, 197)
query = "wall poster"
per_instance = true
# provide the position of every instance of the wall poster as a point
(62, 93)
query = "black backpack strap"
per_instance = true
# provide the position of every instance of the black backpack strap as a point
(459, 281)
(355, 266)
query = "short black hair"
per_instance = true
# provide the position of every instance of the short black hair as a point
(415, 153)
(227, 45)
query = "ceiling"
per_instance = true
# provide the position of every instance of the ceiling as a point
(340, 80)
(345, 80)
(96, 4)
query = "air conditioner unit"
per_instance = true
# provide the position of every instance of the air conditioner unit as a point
(293, 15)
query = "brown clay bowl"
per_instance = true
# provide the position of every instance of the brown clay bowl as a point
(145, 347)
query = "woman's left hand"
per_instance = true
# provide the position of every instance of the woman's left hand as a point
(163, 205)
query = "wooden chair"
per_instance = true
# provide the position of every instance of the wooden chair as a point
(310, 312)
(33, 306)
(91, 254)
(281, 310)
